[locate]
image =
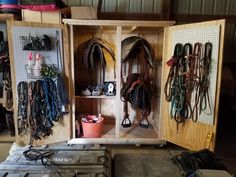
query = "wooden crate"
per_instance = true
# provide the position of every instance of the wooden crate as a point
(84, 12)
(54, 17)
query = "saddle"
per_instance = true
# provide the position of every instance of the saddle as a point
(136, 88)
(94, 51)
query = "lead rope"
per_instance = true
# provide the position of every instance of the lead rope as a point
(173, 84)
(178, 87)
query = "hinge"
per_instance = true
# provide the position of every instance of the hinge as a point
(208, 140)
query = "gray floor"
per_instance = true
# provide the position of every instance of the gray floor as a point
(154, 158)
(225, 149)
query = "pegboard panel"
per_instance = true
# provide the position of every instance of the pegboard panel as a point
(21, 56)
(203, 35)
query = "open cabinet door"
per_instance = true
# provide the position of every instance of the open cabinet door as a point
(21, 35)
(202, 134)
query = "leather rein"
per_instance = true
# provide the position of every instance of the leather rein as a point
(188, 80)
(38, 107)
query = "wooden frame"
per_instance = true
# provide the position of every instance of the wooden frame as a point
(165, 126)
(62, 130)
(120, 29)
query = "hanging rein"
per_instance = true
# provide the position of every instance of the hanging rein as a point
(39, 106)
(187, 84)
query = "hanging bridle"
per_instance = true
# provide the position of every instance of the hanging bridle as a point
(188, 80)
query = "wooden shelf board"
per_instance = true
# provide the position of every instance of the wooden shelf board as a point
(137, 132)
(5, 136)
(5, 17)
(108, 131)
(133, 135)
(100, 97)
(118, 23)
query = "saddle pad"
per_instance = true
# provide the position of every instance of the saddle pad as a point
(148, 165)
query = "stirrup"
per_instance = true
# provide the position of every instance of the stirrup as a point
(126, 123)
(144, 123)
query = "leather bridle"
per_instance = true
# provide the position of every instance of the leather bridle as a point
(188, 79)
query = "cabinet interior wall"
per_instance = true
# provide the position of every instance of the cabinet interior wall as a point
(112, 107)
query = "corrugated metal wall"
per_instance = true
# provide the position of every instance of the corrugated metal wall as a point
(204, 7)
(133, 6)
(213, 7)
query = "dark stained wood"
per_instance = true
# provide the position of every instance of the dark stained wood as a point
(129, 16)
(198, 18)
(99, 7)
(188, 18)
(166, 9)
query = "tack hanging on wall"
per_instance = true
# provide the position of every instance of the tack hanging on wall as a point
(199, 35)
(50, 57)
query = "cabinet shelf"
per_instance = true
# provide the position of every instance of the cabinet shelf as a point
(94, 97)
(137, 132)
(116, 23)
(6, 137)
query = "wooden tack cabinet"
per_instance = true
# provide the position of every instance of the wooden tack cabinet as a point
(160, 36)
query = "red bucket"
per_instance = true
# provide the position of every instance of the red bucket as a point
(92, 129)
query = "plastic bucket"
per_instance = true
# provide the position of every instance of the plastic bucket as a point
(92, 130)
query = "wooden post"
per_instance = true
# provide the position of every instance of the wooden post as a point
(166, 9)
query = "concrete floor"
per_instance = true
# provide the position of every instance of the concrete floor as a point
(225, 150)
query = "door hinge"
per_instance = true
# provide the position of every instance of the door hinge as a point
(208, 140)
